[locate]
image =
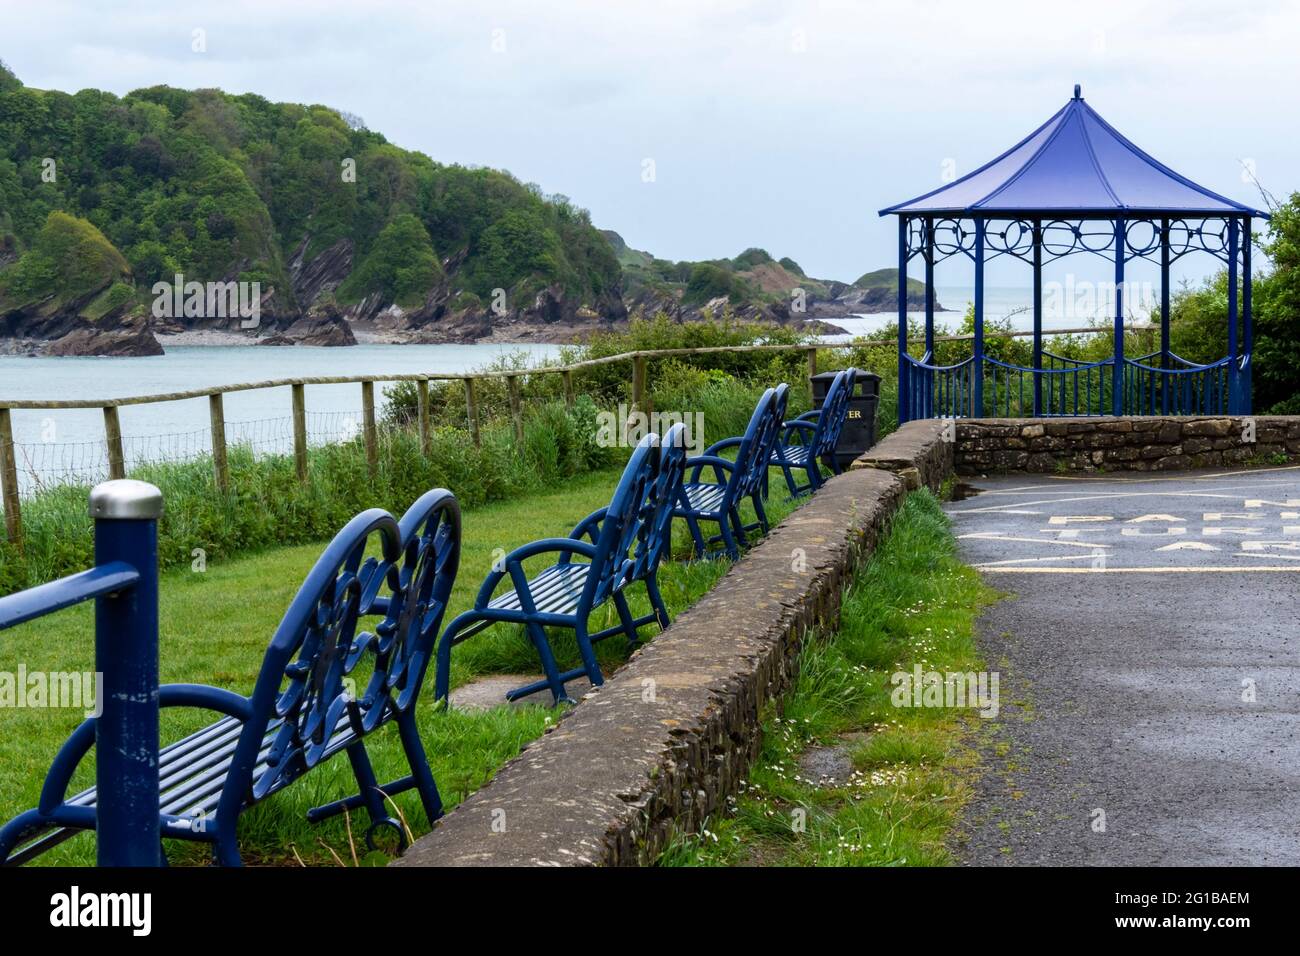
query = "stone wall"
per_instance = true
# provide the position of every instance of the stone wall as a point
(1121, 444)
(673, 732)
(918, 453)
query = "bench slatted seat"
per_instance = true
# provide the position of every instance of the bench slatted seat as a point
(266, 741)
(623, 543)
(814, 435)
(719, 500)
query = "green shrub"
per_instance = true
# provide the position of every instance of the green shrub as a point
(69, 259)
(401, 264)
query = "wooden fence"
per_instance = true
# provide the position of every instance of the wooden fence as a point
(216, 406)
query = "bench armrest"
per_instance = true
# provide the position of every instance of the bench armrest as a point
(208, 698)
(795, 429)
(717, 446)
(588, 527)
(55, 789)
(699, 462)
(512, 564)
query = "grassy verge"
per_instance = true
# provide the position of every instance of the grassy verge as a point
(846, 778)
(215, 628)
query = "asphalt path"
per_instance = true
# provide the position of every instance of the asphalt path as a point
(1147, 652)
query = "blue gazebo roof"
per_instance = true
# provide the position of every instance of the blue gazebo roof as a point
(1076, 163)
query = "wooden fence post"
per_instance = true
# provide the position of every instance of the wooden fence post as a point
(300, 430)
(422, 407)
(220, 465)
(568, 388)
(638, 383)
(471, 411)
(368, 426)
(113, 439)
(812, 368)
(9, 481)
(516, 411)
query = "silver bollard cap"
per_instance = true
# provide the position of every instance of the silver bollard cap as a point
(127, 499)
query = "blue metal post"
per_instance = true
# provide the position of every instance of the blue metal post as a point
(126, 656)
(928, 379)
(978, 365)
(1233, 406)
(1038, 318)
(1165, 361)
(1245, 386)
(903, 379)
(1117, 376)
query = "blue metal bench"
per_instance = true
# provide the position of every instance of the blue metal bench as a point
(814, 435)
(301, 711)
(623, 543)
(734, 480)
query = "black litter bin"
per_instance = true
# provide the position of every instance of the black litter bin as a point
(859, 432)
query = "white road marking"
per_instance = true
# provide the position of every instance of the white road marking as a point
(992, 536)
(1059, 557)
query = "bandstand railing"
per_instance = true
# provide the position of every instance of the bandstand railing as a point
(1189, 390)
(939, 391)
(1064, 387)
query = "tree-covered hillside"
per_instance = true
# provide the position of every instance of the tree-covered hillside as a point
(220, 187)
(753, 284)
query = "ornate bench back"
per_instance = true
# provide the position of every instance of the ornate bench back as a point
(835, 410)
(760, 434)
(622, 526)
(306, 674)
(654, 538)
(765, 439)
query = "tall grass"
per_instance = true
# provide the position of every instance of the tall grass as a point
(268, 505)
(901, 782)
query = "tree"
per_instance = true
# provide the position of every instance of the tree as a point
(69, 260)
(8, 81)
(401, 264)
(1277, 314)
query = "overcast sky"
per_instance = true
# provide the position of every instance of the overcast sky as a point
(779, 124)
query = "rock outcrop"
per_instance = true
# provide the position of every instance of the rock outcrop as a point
(323, 325)
(131, 336)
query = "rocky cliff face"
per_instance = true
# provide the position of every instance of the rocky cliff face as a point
(549, 314)
(308, 312)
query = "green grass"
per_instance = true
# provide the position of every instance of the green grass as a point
(912, 603)
(215, 626)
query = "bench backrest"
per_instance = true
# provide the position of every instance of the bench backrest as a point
(317, 646)
(620, 529)
(835, 410)
(747, 474)
(654, 539)
(766, 436)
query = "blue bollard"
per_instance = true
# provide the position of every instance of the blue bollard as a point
(126, 517)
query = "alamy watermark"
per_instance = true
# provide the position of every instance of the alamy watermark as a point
(208, 300)
(26, 689)
(625, 428)
(1085, 300)
(955, 689)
